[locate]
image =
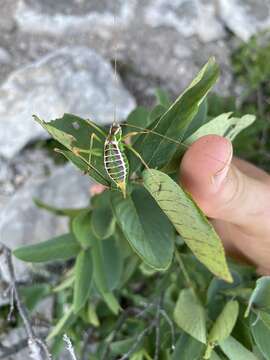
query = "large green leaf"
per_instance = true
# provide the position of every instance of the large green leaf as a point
(189, 221)
(59, 248)
(260, 297)
(83, 279)
(102, 219)
(199, 119)
(75, 133)
(81, 226)
(156, 150)
(187, 348)
(235, 350)
(261, 335)
(189, 315)
(146, 228)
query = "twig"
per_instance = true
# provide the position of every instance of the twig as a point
(137, 342)
(36, 346)
(88, 334)
(15, 348)
(169, 321)
(69, 347)
(157, 321)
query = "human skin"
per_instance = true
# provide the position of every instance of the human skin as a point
(234, 194)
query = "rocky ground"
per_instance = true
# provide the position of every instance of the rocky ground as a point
(56, 56)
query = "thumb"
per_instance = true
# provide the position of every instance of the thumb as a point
(220, 189)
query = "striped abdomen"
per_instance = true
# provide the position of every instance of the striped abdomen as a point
(115, 162)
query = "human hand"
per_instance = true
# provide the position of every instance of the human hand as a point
(234, 194)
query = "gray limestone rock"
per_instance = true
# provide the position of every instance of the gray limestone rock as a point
(245, 17)
(58, 17)
(188, 17)
(22, 223)
(75, 80)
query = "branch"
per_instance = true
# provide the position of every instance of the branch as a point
(38, 349)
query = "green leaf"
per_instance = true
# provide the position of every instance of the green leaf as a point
(108, 265)
(235, 350)
(81, 226)
(59, 248)
(189, 221)
(260, 297)
(75, 133)
(138, 118)
(146, 228)
(189, 315)
(102, 219)
(83, 279)
(261, 335)
(156, 150)
(55, 210)
(223, 326)
(199, 119)
(223, 125)
(63, 324)
(265, 317)
(188, 348)
(225, 322)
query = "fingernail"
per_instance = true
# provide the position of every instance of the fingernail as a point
(219, 176)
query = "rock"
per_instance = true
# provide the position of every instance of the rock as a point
(22, 223)
(75, 80)
(63, 16)
(29, 164)
(188, 17)
(5, 57)
(245, 17)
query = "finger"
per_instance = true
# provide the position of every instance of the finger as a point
(220, 189)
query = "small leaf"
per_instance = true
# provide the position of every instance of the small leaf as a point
(83, 279)
(260, 297)
(189, 315)
(55, 210)
(235, 350)
(63, 324)
(92, 315)
(187, 348)
(59, 248)
(33, 294)
(146, 228)
(107, 262)
(223, 125)
(261, 335)
(225, 322)
(223, 326)
(81, 226)
(189, 221)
